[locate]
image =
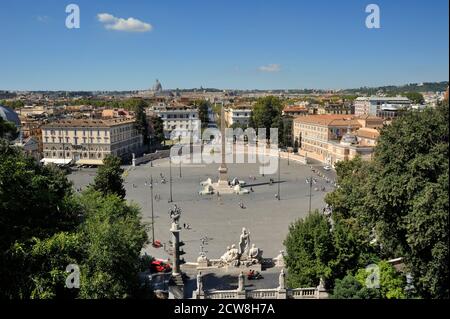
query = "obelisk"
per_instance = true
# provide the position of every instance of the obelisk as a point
(223, 170)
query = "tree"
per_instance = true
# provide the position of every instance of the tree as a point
(34, 205)
(266, 113)
(112, 239)
(44, 227)
(203, 109)
(408, 196)
(391, 284)
(7, 130)
(309, 250)
(16, 104)
(287, 133)
(109, 177)
(158, 128)
(296, 145)
(141, 120)
(45, 261)
(400, 199)
(347, 288)
(415, 97)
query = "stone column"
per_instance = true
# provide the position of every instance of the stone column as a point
(175, 230)
(176, 289)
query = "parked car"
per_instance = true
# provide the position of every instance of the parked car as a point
(327, 168)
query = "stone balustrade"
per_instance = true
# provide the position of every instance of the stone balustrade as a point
(276, 293)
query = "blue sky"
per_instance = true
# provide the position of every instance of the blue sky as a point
(242, 44)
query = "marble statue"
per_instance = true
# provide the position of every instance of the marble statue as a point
(255, 254)
(241, 282)
(225, 257)
(231, 255)
(175, 214)
(244, 242)
(199, 282)
(282, 280)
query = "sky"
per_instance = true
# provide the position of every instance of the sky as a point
(227, 44)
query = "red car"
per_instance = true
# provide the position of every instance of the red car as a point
(160, 266)
(157, 244)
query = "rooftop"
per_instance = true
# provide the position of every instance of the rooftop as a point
(368, 133)
(89, 123)
(295, 108)
(329, 119)
(384, 98)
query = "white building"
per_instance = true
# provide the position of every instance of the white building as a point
(178, 119)
(381, 106)
(238, 114)
(88, 142)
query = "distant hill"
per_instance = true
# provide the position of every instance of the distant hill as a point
(392, 89)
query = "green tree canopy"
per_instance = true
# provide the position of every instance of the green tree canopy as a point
(415, 97)
(203, 107)
(112, 239)
(44, 227)
(109, 177)
(385, 283)
(407, 196)
(309, 249)
(400, 199)
(34, 204)
(157, 125)
(266, 113)
(7, 130)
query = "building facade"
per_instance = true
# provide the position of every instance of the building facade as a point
(333, 138)
(179, 120)
(88, 142)
(384, 107)
(238, 115)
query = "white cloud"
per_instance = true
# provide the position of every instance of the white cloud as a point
(42, 19)
(270, 68)
(119, 24)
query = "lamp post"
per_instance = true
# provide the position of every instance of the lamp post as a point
(310, 192)
(153, 218)
(180, 151)
(279, 173)
(170, 178)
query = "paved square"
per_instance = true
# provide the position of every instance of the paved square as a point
(221, 220)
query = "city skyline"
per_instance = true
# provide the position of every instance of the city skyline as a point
(229, 45)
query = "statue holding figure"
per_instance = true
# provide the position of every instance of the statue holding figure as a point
(175, 214)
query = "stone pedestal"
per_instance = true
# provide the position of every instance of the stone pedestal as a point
(175, 230)
(176, 287)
